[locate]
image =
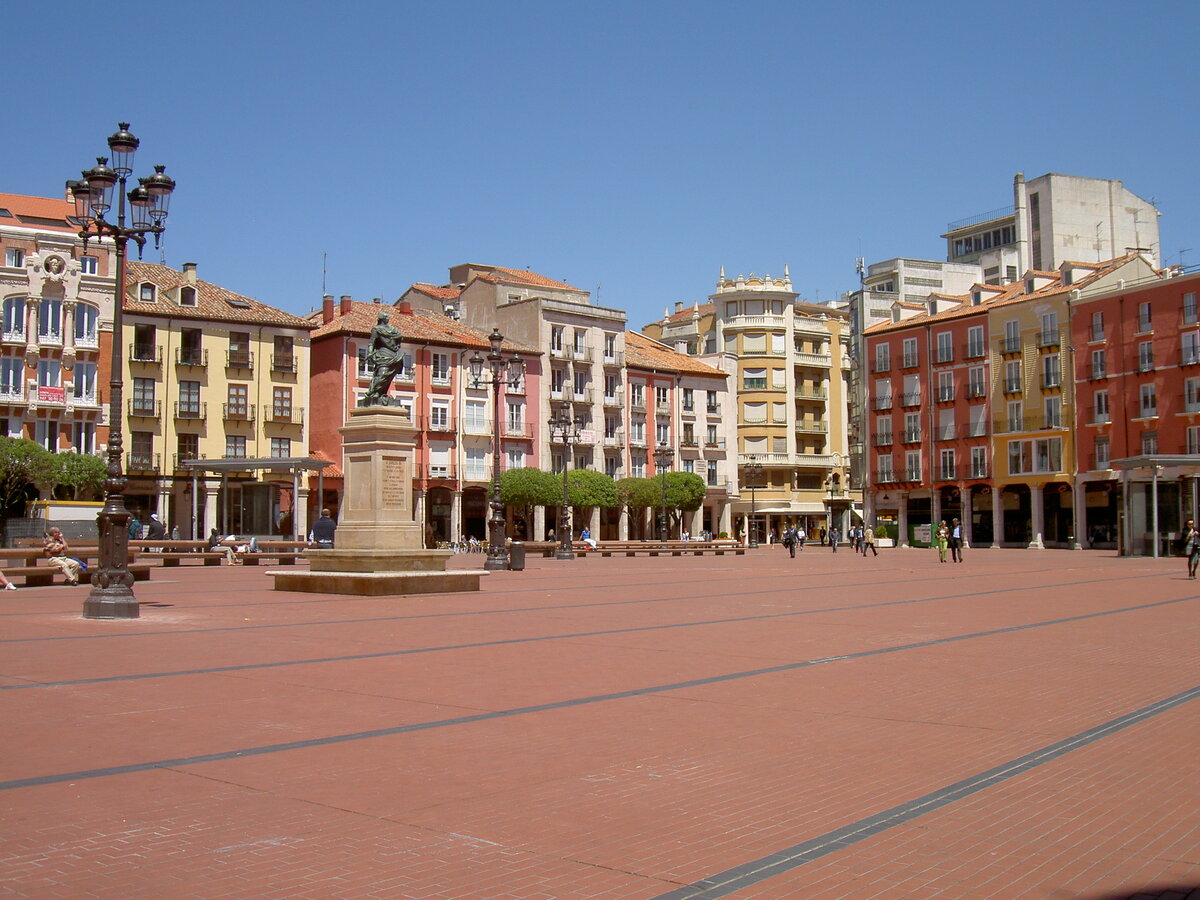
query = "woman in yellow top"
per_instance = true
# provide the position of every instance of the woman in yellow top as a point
(940, 539)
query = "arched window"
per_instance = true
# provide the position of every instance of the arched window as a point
(87, 319)
(50, 321)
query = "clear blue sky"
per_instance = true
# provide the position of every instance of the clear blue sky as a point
(634, 146)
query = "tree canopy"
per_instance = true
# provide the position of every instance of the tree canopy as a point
(586, 488)
(685, 490)
(23, 464)
(639, 493)
(81, 474)
(529, 487)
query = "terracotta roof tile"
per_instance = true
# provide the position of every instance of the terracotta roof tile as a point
(642, 352)
(422, 326)
(526, 277)
(46, 212)
(213, 302)
(438, 293)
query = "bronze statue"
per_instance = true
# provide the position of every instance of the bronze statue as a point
(386, 360)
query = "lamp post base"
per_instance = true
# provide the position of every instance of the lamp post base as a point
(495, 563)
(113, 602)
(564, 553)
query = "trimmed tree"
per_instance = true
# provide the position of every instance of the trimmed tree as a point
(528, 487)
(23, 466)
(587, 489)
(79, 475)
(638, 494)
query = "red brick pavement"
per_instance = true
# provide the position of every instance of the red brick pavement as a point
(622, 728)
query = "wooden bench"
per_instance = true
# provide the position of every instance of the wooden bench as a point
(679, 548)
(547, 548)
(46, 574)
(283, 557)
(175, 553)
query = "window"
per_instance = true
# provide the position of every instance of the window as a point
(1040, 456)
(711, 472)
(1012, 376)
(1189, 348)
(637, 431)
(143, 396)
(712, 405)
(14, 317)
(884, 468)
(1143, 318)
(660, 398)
(1100, 410)
(89, 265)
(945, 386)
(883, 357)
(979, 462)
(909, 353)
(440, 368)
(689, 400)
(637, 468)
(1096, 333)
(689, 435)
(86, 324)
(45, 432)
(556, 338)
(610, 347)
(946, 469)
(710, 439)
(581, 385)
(1190, 309)
(976, 385)
(238, 405)
(580, 341)
(1052, 409)
(912, 391)
(1051, 376)
(1012, 336)
(515, 458)
(282, 359)
(146, 292)
(516, 418)
(637, 395)
(187, 296)
(190, 351)
(883, 431)
(12, 377)
(1191, 395)
(281, 404)
(439, 417)
(475, 417)
(1049, 329)
(83, 437)
(239, 350)
(189, 398)
(1103, 453)
(475, 466)
(1149, 443)
(977, 421)
(946, 430)
(281, 448)
(912, 428)
(14, 257)
(975, 341)
(1099, 364)
(1193, 439)
(141, 449)
(945, 347)
(145, 343)
(49, 373)
(754, 379)
(50, 321)
(1145, 356)
(1149, 401)
(1016, 415)
(912, 465)
(662, 433)
(235, 446)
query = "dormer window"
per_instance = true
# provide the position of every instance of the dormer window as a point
(1030, 286)
(146, 292)
(187, 296)
(976, 298)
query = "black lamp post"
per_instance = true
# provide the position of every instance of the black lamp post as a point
(111, 596)
(507, 371)
(664, 455)
(753, 470)
(564, 428)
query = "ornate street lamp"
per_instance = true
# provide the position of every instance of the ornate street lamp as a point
(564, 429)
(664, 455)
(111, 596)
(753, 470)
(506, 371)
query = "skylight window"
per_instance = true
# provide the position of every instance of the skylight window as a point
(238, 302)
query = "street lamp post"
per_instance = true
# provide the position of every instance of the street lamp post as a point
(507, 371)
(111, 596)
(753, 470)
(664, 455)
(565, 428)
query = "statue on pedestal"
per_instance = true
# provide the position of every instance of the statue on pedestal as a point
(386, 360)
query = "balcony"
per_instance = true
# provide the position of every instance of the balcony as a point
(237, 412)
(975, 391)
(881, 366)
(581, 395)
(909, 361)
(689, 444)
(975, 351)
(243, 359)
(439, 471)
(144, 409)
(637, 403)
(146, 353)
(581, 354)
(1097, 373)
(15, 336)
(517, 430)
(191, 356)
(945, 433)
(976, 429)
(614, 440)
(1047, 339)
(177, 459)
(614, 359)
(637, 441)
(882, 439)
(477, 427)
(50, 338)
(283, 415)
(812, 427)
(823, 360)
(809, 393)
(945, 394)
(1013, 386)
(944, 355)
(717, 444)
(560, 352)
(912, 473)
(754, 384)
(283, 362)
(439, 424)
(979, 469)
(1050, 381)
(911, 399)
(88, 399)
(1010, 345)
(476, 474)
(615, 400)
(882, 402)
(197, 411)
(712, 409)
(142, 461)
(912, 436)
(87, 341)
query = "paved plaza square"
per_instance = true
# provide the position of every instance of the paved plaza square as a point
(1022, 725)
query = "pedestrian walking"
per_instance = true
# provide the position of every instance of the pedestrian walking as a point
(823, 533)
(868, 541)
(801, 536)
(834, 535)
(55, 549)
(322, 531)
(941, 538)
(1191, 546)
(956, 541)
(789, 541)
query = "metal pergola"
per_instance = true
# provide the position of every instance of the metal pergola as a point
(1156, 462)
(296, 465)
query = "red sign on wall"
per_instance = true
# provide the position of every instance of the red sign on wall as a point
(51, 394)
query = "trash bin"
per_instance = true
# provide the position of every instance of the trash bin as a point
(516, 556)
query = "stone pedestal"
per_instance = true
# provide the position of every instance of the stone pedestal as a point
(380, 548)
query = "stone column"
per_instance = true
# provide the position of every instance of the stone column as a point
(539, 524)
(1079, 513)
(935, 506)
(968, 520)
(902, 510)
(1037, 515)
(209, 513)
(623, 525)
(594, 523)
(456, 514)
(726, 519)
(697, 522)
(300, 515)
(997, 516)
(418, 511)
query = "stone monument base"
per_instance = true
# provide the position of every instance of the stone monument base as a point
(373, 573)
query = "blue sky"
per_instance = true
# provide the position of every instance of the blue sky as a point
(628, 148)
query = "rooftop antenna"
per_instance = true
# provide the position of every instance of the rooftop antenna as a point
(598, 287)
(1181, 252)
(1099, 243)
(324, 261)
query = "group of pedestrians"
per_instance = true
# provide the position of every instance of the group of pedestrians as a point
(949, 537)
(861, 539)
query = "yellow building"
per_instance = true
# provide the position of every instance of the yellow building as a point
(211, 374)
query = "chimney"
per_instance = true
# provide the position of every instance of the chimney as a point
(189, 273)
(678, 306)
(377, 300)
(327, 309)
(346, 305)
(404, 308)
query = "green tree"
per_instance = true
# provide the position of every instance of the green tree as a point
(79, 475)
(23, 466)
(528, 487)
(638, 493)
(685, 490)
(587, 488)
